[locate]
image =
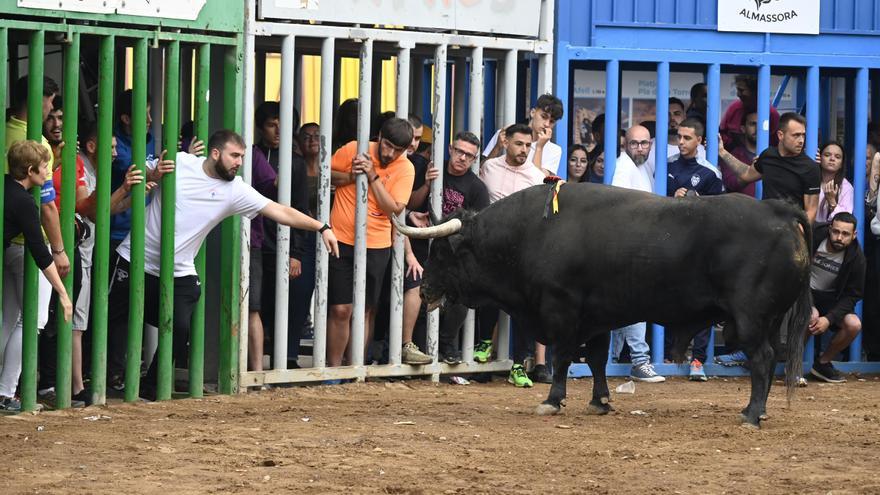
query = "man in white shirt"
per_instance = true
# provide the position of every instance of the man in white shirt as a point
(634, 172)
(208, 191)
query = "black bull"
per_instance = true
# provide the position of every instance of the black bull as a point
(611, 257)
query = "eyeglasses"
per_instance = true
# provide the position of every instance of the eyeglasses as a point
(460, 152)
(639, 144)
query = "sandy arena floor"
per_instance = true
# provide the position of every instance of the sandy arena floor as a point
(416, 437)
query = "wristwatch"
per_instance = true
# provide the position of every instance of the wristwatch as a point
(323, 228)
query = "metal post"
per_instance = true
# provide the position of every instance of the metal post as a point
(438, 150)
(713, 112)
(763, 116)
(356, 342)
(200, 123)
(459, 94)
(285, 167)
(230, 230)
(490, 97)
(860, 149)
(30, 310)
(813, 111)
(545, 60)
(612, 86)
(319, 317)
(661, 141)
(395, 329)
(136, 271)
(4, 82)
(164, 354)
(101, 265)
(68, 203)
(475, 125)
(510, 58)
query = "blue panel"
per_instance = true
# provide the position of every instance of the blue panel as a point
(843, 16)
(602, 11)
(826, 16)
(665, 11)
(644, 11)
(623, 11)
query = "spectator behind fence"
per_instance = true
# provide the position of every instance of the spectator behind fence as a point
(27, 167)
(634, 171)
(231, 196)
(543, 154)
(268, 123)
(688, 174)
(120, 223)
(416, 250)
(503, 176)
(747, 102)
(837, 280)
(744, 148)
(578, 164)
(390, 178)
(787, 172)
(836, 194)
(462, 189)
(699, 101)
(596, 167)
(345, 123)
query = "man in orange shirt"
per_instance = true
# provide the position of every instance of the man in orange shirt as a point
(390, 177)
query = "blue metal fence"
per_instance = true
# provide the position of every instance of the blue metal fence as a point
(618, 34)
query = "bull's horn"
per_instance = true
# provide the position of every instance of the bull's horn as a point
(444, 229)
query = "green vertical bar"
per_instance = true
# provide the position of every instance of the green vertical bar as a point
(30, 310)
(68, 204)
(230, 249)
(4, 83)
(136, 270)
(101, 265)
(170, 132)
(197, 333)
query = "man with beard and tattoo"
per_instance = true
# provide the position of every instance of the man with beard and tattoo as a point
(208, 191)
(743, 151)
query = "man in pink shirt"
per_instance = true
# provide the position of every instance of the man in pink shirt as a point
(731, 123)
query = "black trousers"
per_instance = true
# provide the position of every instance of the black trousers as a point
(186, 294)
(47, 344)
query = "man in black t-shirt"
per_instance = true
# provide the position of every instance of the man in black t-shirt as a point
(787, 172)
(462, 189)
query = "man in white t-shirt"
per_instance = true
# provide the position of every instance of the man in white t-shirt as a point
(207, 192)
(543, 154)
(633, 171)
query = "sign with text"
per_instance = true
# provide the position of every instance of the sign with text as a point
(769, 16)
(512, 17)
(163, 9)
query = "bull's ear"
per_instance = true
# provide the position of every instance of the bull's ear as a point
(455, 241)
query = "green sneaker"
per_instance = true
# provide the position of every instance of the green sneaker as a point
(483, 351)
(518, 376)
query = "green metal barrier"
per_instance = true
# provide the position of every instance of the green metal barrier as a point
(4, 83)
(68, 204)
(170, 130)
(101, 267)
(136, 270)
(197, 332)
(29, 312)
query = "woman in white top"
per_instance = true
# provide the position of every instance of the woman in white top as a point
(836, 194)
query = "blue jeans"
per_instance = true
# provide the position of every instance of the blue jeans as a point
(635, 338)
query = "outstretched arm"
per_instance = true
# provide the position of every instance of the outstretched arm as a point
(299, 220)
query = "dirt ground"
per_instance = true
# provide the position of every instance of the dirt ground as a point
(416, 437)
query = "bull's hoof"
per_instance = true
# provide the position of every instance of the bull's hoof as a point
(763, 417)
(599, 407)
(750, 424)
(547, 410)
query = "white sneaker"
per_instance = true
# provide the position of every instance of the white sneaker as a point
(410, 354)
(645, 373)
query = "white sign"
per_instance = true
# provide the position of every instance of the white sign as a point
(513, 17)
(165, 9)
(769, 16)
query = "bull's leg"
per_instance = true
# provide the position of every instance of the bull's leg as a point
(761, 360)
(561, 362)
(597, 359)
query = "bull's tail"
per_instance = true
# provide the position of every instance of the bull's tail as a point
(798, 315)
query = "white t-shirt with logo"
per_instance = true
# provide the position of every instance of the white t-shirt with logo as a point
(202, 203)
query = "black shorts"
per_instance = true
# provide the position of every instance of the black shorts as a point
(341, 275)
(255, 282)
(824, 301)
(420, 250)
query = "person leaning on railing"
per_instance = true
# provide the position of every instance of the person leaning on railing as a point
(28, 162)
